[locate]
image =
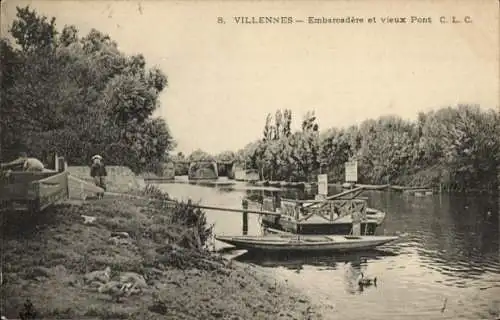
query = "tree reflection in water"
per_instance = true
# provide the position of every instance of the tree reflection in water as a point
(354, 263)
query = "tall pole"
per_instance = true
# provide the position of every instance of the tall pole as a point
(244, 204)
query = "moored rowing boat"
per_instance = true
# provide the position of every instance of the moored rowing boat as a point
(306, 243)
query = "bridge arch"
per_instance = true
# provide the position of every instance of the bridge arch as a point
(204, 169)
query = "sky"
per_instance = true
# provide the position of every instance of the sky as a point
(225, 78)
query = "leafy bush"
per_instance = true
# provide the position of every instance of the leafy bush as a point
(183, 214)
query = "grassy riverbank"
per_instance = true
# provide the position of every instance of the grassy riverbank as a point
(50, 258)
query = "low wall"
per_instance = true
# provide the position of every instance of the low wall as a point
(119, 179)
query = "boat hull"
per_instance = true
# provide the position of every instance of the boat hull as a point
(313, 243)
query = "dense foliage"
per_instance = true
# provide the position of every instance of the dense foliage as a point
(76, 96)
(457, 147)
(183, 214)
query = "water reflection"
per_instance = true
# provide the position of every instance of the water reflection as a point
(456, 235)
(451, 234)
(352, 274)
(455, 232)
(352, 264)
(294, 260)
(451, 251)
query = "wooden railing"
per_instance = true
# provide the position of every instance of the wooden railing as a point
(330, 210)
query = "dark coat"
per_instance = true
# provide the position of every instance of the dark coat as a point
(98, 170)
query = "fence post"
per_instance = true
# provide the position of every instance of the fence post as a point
(298, 206)
(56, 162)
(61, 164)
(244, 204)
(356, 224)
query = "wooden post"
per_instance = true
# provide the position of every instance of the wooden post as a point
(298, 206)
(56, 162)
(82, 192)
(356, 224)
(244, 204)
(61, 164)
(277, 201)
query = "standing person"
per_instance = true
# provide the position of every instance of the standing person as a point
(99, 173)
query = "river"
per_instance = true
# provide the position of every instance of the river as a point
(447, 267)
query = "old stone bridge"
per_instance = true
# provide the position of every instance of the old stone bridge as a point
(199, 169)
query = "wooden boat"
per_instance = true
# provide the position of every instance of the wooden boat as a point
(281, 184)
(409, 189)
(32, 191)
(374, 187)
(219, 183)
(306, 243)
(418, 192)
(327, 217)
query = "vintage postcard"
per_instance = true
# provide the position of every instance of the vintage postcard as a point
(250, 159)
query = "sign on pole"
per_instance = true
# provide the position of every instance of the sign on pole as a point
(322, 184)
(351, 171)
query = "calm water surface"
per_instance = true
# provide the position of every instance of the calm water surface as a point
(449, 258)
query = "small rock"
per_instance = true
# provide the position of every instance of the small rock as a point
(88, 219)
(157, 271)
(72, 283)
(217, 313)
(123, 235)
(95, 284)
(159, 307)
(174, 283)
(134, 278)
(60, 269)
(40, 271)
(102, 276)
(119, 241)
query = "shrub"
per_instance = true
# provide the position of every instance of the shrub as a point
(180, 213)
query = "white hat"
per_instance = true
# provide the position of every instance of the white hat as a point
(96, 157)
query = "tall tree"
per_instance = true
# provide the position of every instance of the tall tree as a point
(268, 128)
(33, 32)
(287, 123)
(77, 96)
(279, 125)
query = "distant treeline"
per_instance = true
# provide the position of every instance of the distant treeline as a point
(455, 147)
(77, 96)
